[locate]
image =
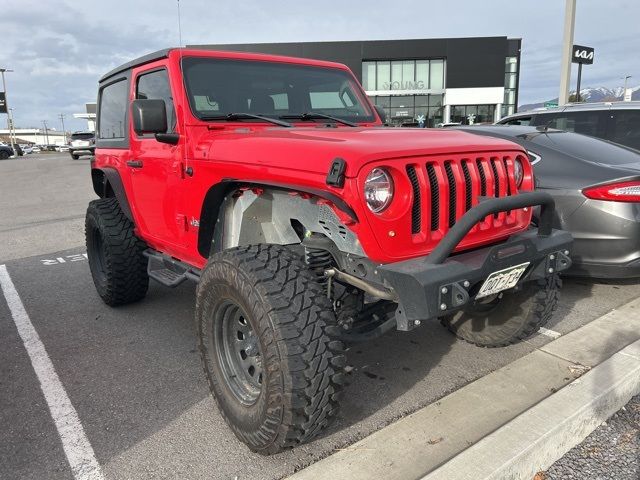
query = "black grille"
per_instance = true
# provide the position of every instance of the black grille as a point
(467, 187)
(458, 181)
(435, 197)
(483, 179)
(496, 178)
(452, 194)
(415, 208)
(496, 182)
(506, 169)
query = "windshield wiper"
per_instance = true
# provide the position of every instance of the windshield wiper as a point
(313, 116)
(242, 115)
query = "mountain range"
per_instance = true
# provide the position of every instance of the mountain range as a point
(590, 95)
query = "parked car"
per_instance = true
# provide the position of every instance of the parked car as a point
(82, 143)
(35, 149)
(27, 149)
(617, 122)
(596, 186)
(62, 148)
(6, 151)
(219, 168)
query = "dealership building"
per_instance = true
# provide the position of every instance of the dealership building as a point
(467, 80)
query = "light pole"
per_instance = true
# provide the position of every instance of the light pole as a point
(6, 102)
(13, 128)
(64, 133)
(46, 132)
(567, 43)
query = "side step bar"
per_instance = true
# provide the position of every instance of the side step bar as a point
(168, 271)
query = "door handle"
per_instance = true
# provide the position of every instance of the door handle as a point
(134, 163)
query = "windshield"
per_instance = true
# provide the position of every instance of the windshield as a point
(218, 87)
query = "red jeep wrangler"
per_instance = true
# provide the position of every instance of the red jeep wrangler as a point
(272, 182)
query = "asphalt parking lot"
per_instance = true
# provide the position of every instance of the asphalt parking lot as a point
(133, 374)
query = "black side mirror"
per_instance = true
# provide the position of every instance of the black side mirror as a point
(149, 116)
(381, 113)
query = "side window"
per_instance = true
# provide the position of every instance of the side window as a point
(587, 123)
(523, 121)
(155, 86)
(625, 128)
(113, 110)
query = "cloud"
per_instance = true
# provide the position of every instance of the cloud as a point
(58, 49)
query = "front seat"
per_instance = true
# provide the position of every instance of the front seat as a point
(262, 104)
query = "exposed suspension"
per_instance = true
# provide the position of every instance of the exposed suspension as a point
(318, 260)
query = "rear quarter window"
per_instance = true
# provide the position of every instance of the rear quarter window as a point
(625, 128)
(591, 123)
(112, 128)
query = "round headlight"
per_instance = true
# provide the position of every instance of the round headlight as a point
(378, 190)
(518, 172)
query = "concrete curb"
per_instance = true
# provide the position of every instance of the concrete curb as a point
(536, 439)
(510, 423)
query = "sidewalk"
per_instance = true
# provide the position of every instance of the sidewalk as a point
(513, 422)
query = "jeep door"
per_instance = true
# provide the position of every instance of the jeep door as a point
(156, 168)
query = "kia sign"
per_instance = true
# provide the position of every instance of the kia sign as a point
(3, 103)
(582, 54)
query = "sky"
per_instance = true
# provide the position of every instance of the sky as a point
(59, 49)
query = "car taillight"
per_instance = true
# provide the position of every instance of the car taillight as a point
(615, 192)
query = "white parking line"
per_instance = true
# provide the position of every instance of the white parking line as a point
(549, 333)
(75, 443)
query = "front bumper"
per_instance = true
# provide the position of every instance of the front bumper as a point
(441, 284)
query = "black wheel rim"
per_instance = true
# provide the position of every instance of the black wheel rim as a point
(98, 253)
(239, 353)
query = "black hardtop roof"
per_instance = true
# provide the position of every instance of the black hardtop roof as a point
(148, 58)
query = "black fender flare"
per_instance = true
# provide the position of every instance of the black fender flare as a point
(107, 183)
(217, 193)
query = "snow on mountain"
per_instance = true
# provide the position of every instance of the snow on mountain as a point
(590, 95)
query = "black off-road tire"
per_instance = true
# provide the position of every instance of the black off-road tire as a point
(301, 362)
(4, 155)
(510, 319)
(74, 156)
(118, 267)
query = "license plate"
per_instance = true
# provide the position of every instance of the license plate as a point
(502, 280)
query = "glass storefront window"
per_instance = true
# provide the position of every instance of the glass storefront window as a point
(510, 85)
(510, 97)
(472, 114)
(403, 75)
(435, 100)
(396, 75)
(369, 75)
(408, 74)
(422, 100)
(404, 101)
(422, 73)
(383, 75)
(383, 101)
(510, 80)
(404, 110)
(436, 77)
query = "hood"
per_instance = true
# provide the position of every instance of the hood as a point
(312, 149)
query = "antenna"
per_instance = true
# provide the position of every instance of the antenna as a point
(179, 28)
(187, 170)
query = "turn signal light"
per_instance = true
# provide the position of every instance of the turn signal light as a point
(615, 192)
